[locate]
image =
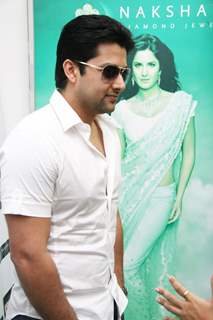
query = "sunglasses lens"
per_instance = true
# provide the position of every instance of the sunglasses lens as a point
(125, 75)
(110, 72)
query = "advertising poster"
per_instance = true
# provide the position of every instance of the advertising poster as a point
(186, 28)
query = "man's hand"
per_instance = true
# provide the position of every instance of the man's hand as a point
(190, 307)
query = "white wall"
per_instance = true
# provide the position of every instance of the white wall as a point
(16, 93)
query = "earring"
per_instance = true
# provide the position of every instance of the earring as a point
(159, 78)
(133, 82)
(159, 81)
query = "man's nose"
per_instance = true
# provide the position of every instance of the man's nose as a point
(119, 82)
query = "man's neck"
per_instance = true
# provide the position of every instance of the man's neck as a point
(85, 116)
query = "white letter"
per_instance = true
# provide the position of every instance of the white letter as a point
(163, 26)
(122, 11)
(154, 11)
(136, 27)
(185, 10)
(202, 24)
(140, 12)
(201, 10)
(145, 26)
(169, 9)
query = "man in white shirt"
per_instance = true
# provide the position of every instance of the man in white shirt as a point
(59, 182)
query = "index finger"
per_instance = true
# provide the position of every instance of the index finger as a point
(179, 288)
(169, 297)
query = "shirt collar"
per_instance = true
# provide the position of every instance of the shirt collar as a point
(67, 115)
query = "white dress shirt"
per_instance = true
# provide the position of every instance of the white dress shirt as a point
(49, 168)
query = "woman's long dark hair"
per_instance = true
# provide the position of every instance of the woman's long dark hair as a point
(169, 76)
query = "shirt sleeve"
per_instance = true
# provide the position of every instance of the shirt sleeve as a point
(28, 174)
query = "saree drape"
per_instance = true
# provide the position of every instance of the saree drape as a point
(149, 242)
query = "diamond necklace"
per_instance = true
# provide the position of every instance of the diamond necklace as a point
(148, 107)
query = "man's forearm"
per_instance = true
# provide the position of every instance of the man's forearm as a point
(42, 285)
(118, 250)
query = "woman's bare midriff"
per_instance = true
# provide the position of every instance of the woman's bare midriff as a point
(168, 178)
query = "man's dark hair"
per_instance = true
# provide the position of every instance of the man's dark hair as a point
(80, 38)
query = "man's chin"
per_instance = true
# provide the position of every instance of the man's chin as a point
(107, 107)
(110, 108)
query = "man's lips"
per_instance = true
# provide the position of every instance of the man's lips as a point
(112, 97)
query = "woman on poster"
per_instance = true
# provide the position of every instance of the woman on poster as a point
(158, 140)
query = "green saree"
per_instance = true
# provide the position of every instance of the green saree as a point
(149, 241)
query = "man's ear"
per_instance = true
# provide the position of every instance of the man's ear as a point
(70, 70)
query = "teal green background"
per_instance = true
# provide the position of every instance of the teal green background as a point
(193, 51)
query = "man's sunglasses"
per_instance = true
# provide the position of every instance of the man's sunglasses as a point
(110, 71)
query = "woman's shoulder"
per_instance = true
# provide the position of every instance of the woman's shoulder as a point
(185, 99)
(178, 96)
(117, 114)
(182, 94)
(176, 93)
(126, 103)
(121, 112)
(121, 103)
(121, 106)
(118, 108)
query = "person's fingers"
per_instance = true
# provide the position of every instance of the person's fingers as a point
(168, 306)
(175, 214)
(169, 296)
(172, 213)
(168, 318)
(179, 288)
(171, 219)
